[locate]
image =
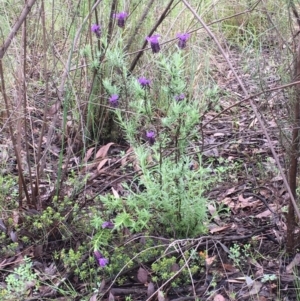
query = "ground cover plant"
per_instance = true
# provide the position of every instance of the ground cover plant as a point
(149, 150)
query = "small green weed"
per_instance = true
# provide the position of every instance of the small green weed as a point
(240, 253)
(268, 277)
(19, 281)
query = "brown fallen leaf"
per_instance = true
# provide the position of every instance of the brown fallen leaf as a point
(101, 164)
(228, 202)
(102, 152)
(88, 154)
(276, 179)
(246, 202)
(219, 297)
(209, 260)
(219, 134)
(175, 267)
(228, 267)
(91, 165)
(93, 298)
(218, 229)
(115, 193)
(142, 275)
(111, 297)
(235, 281)
(13, 235)
(256, 286)
(102, 286)
(160, 296)
(213, 211)
(150, 289)
(265, 192)
(295, 262)
(50, 271)
(230, 191)
(54, 108)
(16, 218)
(2, 226)
(253, 123)
(267, 212)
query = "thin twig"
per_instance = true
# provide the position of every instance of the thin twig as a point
(250, 97)
(23, 90)
(19, 163)
(16, 27)
(139, 24)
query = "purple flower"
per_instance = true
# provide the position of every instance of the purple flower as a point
(102, 261)
(114, 100)
(182, 38)
(121, 18)
(95, 28)
(180, 97)
(108, 225)
(153, 40)
(144, 82)
(150, 135)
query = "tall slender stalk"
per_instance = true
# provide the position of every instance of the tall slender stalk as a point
(294, 153)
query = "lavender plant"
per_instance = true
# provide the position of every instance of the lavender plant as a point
(158, 115)
(159, 118)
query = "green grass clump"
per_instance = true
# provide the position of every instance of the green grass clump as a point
(167, 267)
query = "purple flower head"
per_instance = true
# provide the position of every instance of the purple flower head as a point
(108, 225)
(102, 261)
(153, 40)
(144, 82)
(180, 97)
(121, 18)
(150, 135)
(95, 28)
(182, 38)
(114, 100)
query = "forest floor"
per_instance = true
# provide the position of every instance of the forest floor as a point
(243, 254)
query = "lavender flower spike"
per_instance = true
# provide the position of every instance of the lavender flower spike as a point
(150, 135)
(153, 40)
(108, 225)
(121, 18)
(114, 100)
(182, 38)
(180, 97)
(102, 261)
(96, 29)
(144, 82)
